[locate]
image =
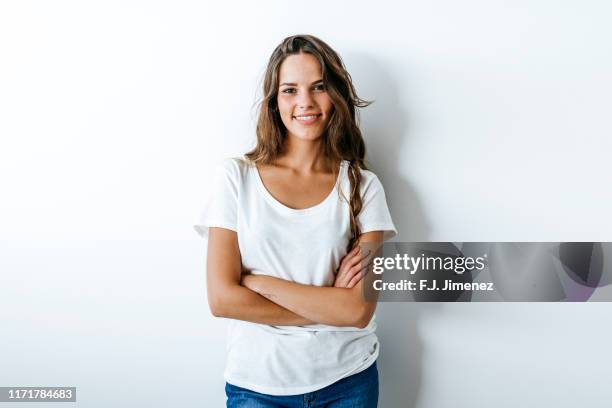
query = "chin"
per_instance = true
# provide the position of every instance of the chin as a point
(306, 135)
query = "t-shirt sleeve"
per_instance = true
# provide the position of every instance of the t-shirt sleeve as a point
(374, 214)
(221, 208)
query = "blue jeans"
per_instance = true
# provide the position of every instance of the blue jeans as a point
(358, 391)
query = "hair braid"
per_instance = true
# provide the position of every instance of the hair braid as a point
(355, 202)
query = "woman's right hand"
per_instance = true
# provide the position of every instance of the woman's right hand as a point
(352, 268)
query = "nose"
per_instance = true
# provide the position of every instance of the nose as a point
(304, 100)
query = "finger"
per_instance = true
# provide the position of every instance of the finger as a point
(341, 281)
(350, 254)
(350, 273)
(343, 277)
(351, 266)
(355, 280)
(353, 250)
(356, 268)
(357, 258)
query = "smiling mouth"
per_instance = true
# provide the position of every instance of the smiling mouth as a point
(307, 118)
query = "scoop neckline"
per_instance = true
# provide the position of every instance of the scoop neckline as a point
(298, 211)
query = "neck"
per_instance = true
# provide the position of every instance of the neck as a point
(304, 156)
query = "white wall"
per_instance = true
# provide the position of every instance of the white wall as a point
(491, 123)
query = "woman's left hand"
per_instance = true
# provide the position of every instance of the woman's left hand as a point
(352, 268)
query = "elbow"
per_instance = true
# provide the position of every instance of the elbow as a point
(360, 320)
(361, 323)
(220, 299)
(216, 305)
(216, 309)
(363, 317)
(216, 312)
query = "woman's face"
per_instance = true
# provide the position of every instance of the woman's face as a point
(303, 102)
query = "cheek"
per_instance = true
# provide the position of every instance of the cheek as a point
(284, 108)
(326, 104)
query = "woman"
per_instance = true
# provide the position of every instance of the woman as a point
(286, 226)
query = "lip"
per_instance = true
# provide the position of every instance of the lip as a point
(308, 122)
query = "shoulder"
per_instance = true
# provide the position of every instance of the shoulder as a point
(369, 179)
(231, 174)
(370, 186)
(234, 167)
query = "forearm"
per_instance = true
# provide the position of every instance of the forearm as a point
(326, 305)
(241, 303)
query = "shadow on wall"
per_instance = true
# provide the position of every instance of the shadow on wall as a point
(386, 128)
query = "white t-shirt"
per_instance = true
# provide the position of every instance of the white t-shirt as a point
(304, 246)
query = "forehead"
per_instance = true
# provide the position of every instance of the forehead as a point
(300, 68)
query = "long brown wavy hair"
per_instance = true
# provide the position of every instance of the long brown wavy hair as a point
(342, 139)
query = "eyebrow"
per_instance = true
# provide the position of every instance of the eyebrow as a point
(294, 84)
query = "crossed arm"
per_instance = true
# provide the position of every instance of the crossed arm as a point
(270, 300)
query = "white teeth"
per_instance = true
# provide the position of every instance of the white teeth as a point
(306, 117)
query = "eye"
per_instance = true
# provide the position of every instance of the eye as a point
(319, 87)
